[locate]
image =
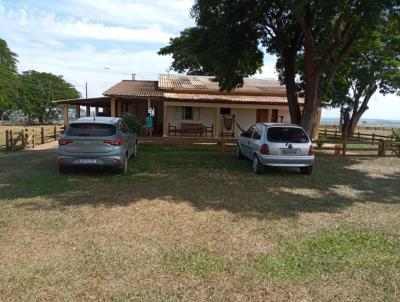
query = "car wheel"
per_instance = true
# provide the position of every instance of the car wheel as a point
(258, 167)
(124, 169)
(134, 150)
(238, 152)
(61, 169)
(306, 170)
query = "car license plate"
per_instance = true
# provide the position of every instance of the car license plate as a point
(289, 151)
(87, 161)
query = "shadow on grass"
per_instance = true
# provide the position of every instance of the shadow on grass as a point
(202, 177)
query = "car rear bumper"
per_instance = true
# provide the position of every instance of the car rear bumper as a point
(287, 161)
(87, 160)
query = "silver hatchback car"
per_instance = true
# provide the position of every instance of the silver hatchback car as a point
(97, 141)
(279, 145)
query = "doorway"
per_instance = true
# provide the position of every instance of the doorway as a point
(262, 115)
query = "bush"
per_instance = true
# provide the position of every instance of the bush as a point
(133, 122)
(322, 139)
(396, 134)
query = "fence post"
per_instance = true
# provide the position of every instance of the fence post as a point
(381, 148)
(22, 139)
(7, 141)
(11, 140)
(55, 133)
(358, 136)
(344, 146)
(26, 138)
(325, 132)
(33, 138)
(42, 135)
(335, 134)
(373, 138)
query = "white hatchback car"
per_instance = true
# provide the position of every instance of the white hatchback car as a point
(279, 145)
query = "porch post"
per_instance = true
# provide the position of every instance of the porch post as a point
(112, 107)
(217, 126)
(87, 110)
(65, 113)
(78, 111)
(165, 120)
(119, 113)
(97, 111)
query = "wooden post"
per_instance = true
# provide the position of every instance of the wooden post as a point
(55, 133)
(7, 141)
(373, 138)
(217, 122)
(42, 135)
(344, 146)
(87, 110)
(11, 140)
(165, 120)
(358, 136)
(381, 148)
(33, 138)
(26, 138)
(65, 112)
(325, 131)
(112, 105)
(78, 111)
(335, 134)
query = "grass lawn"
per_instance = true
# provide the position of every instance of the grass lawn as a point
(195, 224)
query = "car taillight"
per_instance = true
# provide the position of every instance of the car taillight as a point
(114, 142)
(311, 151)
(264, 149)
(63, 141)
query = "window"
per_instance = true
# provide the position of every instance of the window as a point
(257, 132)
(225, 110)
(187, 113)
(86, 129)
(287, 135)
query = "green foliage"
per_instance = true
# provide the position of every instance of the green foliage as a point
(133, 122)
(38, 90)
(396, 134)
(8, 76)
(332, 252)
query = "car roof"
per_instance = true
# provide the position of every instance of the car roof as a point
(280, 125)
(97, 119)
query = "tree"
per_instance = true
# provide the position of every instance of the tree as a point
(8, 76)
(374, 65)
(38, 90)
(321, 32)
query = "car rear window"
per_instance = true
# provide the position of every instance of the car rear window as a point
(287, 135)
(90, 129)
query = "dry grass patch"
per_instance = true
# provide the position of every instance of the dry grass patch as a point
(195, 224)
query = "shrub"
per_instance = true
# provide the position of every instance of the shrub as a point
(133, 122)
(396, 134)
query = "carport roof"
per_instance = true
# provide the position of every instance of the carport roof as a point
(84, 101)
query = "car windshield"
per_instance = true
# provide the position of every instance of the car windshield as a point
(91, 129)
(287, 135)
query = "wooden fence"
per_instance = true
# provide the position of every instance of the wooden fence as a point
(29, 137)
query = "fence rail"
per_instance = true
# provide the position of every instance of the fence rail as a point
(29, 137)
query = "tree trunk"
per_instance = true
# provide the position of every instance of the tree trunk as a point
(289, 61)
(310, 104)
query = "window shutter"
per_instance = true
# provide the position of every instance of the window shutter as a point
(178, 113)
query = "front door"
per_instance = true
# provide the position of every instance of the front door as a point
(262, 115)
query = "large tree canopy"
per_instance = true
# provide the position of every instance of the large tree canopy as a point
(229, 34)
(374, 65)
(8, 76)
(38, 90)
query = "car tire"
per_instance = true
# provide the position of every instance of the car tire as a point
(258, 167)
(124, 168)
(306, 170)
(61, 169)
(134, 152)
(238, 152)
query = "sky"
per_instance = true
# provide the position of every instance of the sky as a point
(104, 41)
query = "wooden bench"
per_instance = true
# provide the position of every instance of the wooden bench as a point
(191, 128)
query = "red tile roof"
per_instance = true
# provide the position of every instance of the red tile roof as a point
(130, 88)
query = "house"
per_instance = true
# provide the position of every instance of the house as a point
(186, 105)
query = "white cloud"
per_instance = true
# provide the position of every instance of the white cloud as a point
(49, 25)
